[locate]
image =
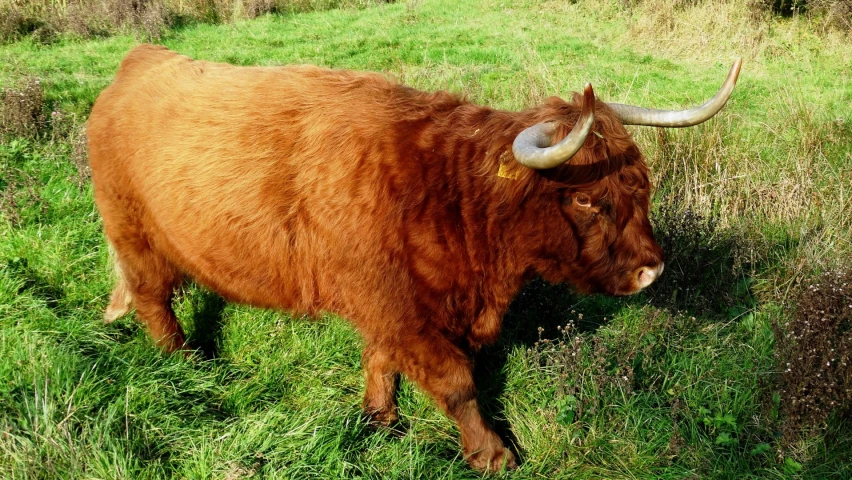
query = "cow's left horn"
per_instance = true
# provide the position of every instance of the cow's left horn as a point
(532, 147)
(631, 115)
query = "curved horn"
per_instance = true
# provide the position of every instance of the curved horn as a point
(631, 115)
(532, 147)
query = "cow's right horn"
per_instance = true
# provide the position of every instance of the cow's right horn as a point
(631, 115)
(532, 147)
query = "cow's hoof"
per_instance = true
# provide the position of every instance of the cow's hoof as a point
(114, 312)
(119, 303)
(493, 460)
(382, 417)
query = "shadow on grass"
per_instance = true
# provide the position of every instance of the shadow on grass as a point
(207, 319)
(708, 276)
(34, 283)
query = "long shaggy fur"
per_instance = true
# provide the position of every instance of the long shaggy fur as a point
(310, 190)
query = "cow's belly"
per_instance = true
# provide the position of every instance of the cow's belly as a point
(240, 249)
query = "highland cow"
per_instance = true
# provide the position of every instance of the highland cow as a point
(416, 216)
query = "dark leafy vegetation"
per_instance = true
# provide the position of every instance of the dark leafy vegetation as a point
(814, 354)
(707, 266)
(22, 109)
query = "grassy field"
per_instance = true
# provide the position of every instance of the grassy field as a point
(686, 380)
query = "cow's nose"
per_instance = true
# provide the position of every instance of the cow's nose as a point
(646, 275)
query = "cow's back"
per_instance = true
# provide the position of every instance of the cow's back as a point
(253, 180)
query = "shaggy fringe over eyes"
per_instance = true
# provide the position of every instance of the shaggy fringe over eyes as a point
(609, 162)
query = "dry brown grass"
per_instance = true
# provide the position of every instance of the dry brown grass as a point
(21, 109)
(709, 30)
(149, 19)
(802, 196)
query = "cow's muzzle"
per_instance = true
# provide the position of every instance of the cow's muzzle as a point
(645, 276)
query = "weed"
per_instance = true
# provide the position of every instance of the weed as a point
(21, 109)
(589, 368)
(814, 355)
(705, 264)
(582, 365)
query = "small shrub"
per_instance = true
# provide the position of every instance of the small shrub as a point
(585, 369)
(21, 109)
(814, 355)
(17, 22)
(62, 125)
(256, 8)
(152, 21)
(705, 264)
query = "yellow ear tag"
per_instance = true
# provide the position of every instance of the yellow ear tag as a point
(505, 172)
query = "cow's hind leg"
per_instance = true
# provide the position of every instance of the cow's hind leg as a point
(150, 281)
(445, 372)
(381, 377)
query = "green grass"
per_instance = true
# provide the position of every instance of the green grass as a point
(273, 396)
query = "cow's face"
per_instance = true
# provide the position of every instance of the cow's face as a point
(615, 248)
(603, 241)
(607, 243)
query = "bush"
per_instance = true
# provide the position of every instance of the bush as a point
(148, 18)
(92, 19)
(835, 13)
(21, 109)
(706, 265)
(814, 354)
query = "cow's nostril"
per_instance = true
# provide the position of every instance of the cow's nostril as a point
(646, 275)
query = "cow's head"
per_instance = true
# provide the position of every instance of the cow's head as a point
(603, 189)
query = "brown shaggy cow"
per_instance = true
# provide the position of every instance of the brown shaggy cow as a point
(417, 216)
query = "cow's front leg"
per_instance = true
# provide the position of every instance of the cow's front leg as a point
(381, 377)
(445, 372)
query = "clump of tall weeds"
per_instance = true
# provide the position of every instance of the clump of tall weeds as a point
(814, 354)
(21, 109)
(592, 368)
(706, 267)
(148, 19)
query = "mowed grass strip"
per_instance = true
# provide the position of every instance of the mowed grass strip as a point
(656, 393)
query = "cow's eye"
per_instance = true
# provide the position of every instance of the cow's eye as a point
(583, 200)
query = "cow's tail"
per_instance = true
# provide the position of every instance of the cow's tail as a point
(120, 301)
